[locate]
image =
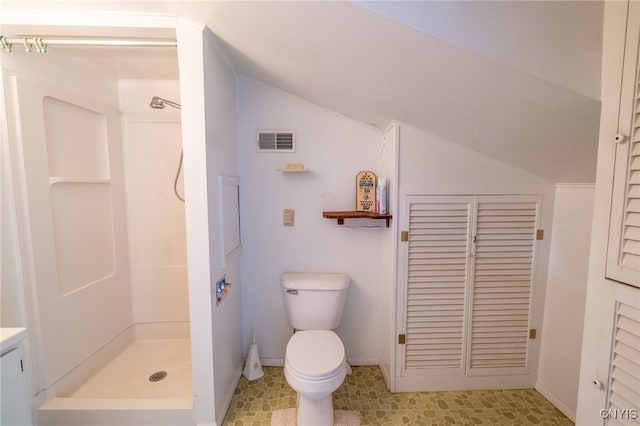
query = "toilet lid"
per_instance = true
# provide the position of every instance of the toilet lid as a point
(315, 354)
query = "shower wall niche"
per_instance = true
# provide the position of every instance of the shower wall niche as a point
(80, 185)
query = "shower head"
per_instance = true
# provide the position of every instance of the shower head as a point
(160, 103)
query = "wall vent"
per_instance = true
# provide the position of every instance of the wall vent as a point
(276, 141)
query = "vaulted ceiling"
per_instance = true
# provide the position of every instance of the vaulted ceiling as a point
(518, 81)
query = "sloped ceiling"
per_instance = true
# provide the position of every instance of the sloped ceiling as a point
(558, 41)
(475, 92)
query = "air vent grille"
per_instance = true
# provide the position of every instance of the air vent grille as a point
(276, 141)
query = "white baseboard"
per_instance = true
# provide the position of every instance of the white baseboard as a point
(363, 361)
(386, 376)
(557, 402)
(272, 362)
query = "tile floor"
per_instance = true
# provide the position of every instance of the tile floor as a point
(365, 391)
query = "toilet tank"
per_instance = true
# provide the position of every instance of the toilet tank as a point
(314, 301)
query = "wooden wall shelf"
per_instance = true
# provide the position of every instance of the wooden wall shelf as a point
(341, 216)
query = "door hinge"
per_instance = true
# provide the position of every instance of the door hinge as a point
(540, 234)
(21, 366)
(404, 236)
(533, 333)
(402, 339)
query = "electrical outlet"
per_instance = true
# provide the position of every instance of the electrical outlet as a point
(288, 217)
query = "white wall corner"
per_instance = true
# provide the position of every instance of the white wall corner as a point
(219, 46)
(561, 336)
(566, 410)
(191, 63)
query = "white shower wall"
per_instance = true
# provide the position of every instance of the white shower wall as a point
(64, 140)
(155, 217)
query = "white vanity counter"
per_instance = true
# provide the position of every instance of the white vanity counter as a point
(11, 336)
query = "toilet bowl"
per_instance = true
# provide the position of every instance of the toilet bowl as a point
(315, 363)
(315, 366)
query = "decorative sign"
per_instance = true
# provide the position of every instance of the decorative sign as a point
(366, 192)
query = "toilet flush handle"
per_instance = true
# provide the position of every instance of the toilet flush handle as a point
(292, 292)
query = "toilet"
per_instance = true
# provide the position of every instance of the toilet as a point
(314, 362)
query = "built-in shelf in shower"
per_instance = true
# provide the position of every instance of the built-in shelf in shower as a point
(57, 179)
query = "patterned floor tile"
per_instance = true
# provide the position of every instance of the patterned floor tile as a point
(365, 391)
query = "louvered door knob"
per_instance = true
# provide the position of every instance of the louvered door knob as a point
(619, 138)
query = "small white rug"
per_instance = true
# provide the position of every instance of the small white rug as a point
(287, 417)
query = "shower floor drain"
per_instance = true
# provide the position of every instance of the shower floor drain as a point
(157, 376)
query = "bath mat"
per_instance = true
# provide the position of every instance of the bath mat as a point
(287, 417)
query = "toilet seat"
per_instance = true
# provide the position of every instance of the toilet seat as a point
(315, 355)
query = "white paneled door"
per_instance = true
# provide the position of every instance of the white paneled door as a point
(468, 280)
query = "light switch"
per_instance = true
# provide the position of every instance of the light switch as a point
(288, 217)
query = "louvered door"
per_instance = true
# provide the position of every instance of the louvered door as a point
(437, 279)
(623, 390)
(469, 274)
(623, 252)
(502, 258)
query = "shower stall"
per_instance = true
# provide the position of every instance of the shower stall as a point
(114, 277)
(99, 188)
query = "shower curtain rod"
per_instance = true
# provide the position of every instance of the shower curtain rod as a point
(41, 43)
